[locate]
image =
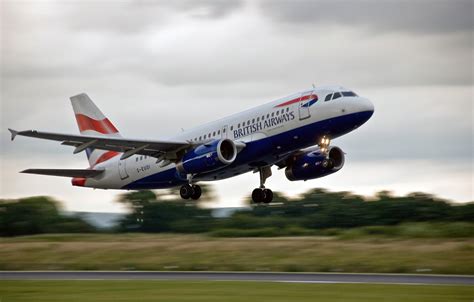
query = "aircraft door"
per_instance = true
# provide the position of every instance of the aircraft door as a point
(122, 169)
(306, 100)
(304, 106)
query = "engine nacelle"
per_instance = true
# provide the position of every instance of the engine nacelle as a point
(314, 164)
(208, 157)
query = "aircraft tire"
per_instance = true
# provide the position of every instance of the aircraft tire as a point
(196, 192)
(186, 191)
(268, 195)
(258, 195)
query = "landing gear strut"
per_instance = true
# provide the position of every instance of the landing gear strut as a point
(261, 194)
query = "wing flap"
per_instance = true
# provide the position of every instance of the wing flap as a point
(86, 173)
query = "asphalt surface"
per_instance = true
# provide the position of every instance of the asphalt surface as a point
(239, 276)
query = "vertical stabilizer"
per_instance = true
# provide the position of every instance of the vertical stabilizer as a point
(91, 121)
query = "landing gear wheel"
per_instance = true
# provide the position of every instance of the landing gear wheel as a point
(196, 192)
(186, 191)
(258, 195)
(261, 195)
(268, 195)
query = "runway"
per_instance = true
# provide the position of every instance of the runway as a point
(240, 276)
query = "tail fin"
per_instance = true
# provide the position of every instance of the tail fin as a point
(92, 121)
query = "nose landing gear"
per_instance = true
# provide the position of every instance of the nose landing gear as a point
(261, 194)
(327, 163)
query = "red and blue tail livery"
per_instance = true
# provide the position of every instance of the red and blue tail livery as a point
(293, 133)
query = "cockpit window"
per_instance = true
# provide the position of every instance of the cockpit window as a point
(328, 97)
(336, 95)
(348, 93)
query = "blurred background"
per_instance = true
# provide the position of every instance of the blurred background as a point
(157, 66)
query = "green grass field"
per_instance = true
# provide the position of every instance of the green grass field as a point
(200, 252)
(170, 291)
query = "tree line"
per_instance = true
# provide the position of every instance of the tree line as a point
(165, 212)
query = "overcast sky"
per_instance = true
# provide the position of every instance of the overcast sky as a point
(154, 67)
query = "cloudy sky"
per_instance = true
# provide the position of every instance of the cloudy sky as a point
(156, 66)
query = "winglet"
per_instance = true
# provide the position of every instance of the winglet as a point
(13, 132)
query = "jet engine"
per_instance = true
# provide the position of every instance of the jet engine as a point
(208, 157)
(314, 164)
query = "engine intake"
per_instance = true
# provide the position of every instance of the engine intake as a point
(314, 164)
(208, 157)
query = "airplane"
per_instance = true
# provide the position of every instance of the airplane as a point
(293, 133)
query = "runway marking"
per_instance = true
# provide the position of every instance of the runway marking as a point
(322, 278)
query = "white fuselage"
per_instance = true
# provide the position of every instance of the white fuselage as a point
(268, 133)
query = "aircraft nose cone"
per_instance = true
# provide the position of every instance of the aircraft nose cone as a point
(366, 110)
(366, 105)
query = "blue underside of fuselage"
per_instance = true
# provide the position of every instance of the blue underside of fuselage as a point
(262, 152)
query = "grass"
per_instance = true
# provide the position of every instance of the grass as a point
(174, 291)
(200, 252)
(405, 230)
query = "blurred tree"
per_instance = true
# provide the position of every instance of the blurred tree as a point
(165, 212)
(36, 215)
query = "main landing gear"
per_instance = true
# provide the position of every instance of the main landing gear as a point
(190, 191)
(261, 194)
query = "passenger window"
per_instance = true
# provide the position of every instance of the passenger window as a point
(214, 133)
(200, 138)
(287, 109)
(336, 95)
(263, 117)
(253, 121)
(136, 159)
(328, 97)
(268, 115)
(218, 132)
(231, 128)
(273, 114)
(205, 136)
(248, 122)
(278, 113)
(238, 126)
(258, 119)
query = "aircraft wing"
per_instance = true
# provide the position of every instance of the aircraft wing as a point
(129, 147)
(65, 172)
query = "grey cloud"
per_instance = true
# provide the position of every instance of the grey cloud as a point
(86, 40)
(118, 17)
(132, 16)
(212, 9)
(414, 16)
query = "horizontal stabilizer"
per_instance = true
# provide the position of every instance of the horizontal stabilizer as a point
(65, 172)
(13, 133)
